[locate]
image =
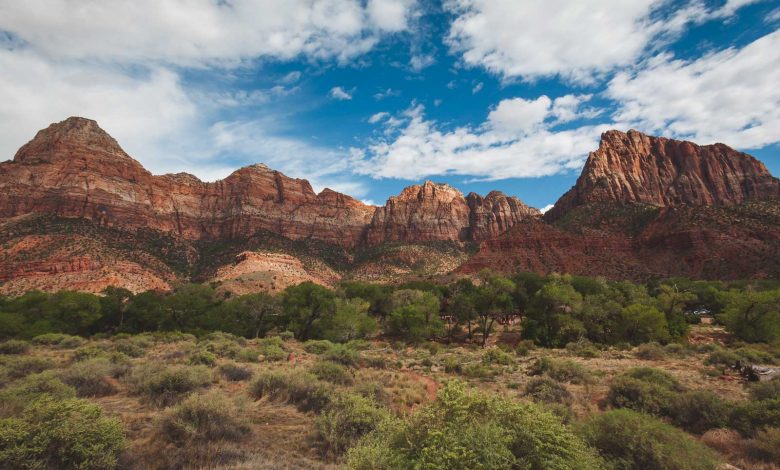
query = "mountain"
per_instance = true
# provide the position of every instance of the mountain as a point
(77, 212)
(636, 168)
(648, 207)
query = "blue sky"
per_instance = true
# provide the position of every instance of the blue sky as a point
(369, 96)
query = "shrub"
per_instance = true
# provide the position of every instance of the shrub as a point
(342, 354)
(224, 347)
(477, 371)
(87, 352)
(546, 390)
(497, 356)
(766, 390)
(650, 352)
(90, 378)
(699, 411)
(633, 441)
(346, 419)
(677, 349)
(24, 391)
(750, 417)
(247, 355)
(644, 389)
(204, 358)
(59, 339)
(584, 349)
(163, 385)
(14, 346)
(67, 434)
(133, 347)
(18, 367)
(292, 386)
(332, 372)
(234, 372)
(374, 391)
(562, 371)
(524, 347)
(203, 419)
(287, 335)
(272, 352)
(453, 365)
(463, 429)
(317, 346)
(766, 445)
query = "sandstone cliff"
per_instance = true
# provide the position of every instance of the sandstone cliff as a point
(636, 168)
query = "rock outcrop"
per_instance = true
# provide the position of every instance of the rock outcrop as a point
(636, 168)
(75, 169)
(434, 212)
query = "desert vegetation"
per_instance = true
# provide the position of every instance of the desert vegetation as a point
(523, 371)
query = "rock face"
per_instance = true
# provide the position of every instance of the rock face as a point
(431, 211)
(636, 168)
(74, 169)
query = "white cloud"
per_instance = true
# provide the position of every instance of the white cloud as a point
(390, 15)
(375, 118)
(200, 32)
(576, 40)
(517, 140)
(386, 94)
(477, 88)
(338, 93)
(729, 96)
(546, 208)
(291, 77)
(419, 62)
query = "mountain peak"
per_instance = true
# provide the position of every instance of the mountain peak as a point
(632, 167)
(75, 133)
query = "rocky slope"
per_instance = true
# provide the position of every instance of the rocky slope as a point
(76, 212)
(636, 168)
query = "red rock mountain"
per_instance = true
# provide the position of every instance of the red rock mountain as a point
(636, 168)
(77, 212)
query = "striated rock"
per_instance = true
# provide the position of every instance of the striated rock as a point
(437, 212)
(636, 168)
(271, 272)
(75, 169)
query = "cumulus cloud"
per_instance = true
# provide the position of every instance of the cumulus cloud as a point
(375, 118)
(419, 62)
(200, 32)
(518, 139)
(584, 38)
(338, 93)
(728, 96)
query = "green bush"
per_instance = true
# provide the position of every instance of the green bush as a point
(644, 389)
(546, 390)
(222, 347)
(90, 378)
(584, 349)
(317, 346)
(24, 391)
(677, 349)
(62, 434)
(633, 441)
(561, 370)
(59, 339)
(765, 446)
(204, 358)
(16, 367)
(753, 416)
(247, 355)
(88, 352)
(699, 411)
(234, 372)
(14, 346)
(766, 390)
(345, 420)
(342, 354)
(202, 419)
(273, 352)
(163, 385)
(332, 372)
(294, 386)
(463, 429)
(133, 347)
(650, 352)
(497, 356)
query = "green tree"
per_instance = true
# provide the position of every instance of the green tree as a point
(113, 306)
(349, 321)
(752, 316)
(494, 298)
(642, 324)
(72, 312)
(187, 306)
(673, 302)
(550, 318)
(415, 315)
(305, 305)
(253, 315)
